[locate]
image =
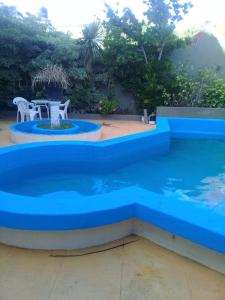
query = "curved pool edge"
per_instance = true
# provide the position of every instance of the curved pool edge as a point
(65, 239)
(187, 219)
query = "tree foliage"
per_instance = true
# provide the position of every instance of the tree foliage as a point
(28, 44)
(140, 50)
(91, 45)
(205, 89)
(136, 53)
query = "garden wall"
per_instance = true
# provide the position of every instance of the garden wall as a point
(191, 112)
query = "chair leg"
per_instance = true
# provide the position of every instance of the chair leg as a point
(39, 113)
(47, 108)
(62, 115)
(32, 117)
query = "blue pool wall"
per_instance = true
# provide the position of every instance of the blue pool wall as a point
(192, 128)
(114, 153)
(101, 156)
(190, 220)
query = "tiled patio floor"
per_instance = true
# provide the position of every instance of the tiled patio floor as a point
(138, 271)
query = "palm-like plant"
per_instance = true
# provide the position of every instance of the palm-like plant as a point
(51, 75)
(54, 79)
(92, 44)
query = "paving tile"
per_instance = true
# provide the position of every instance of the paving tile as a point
(137, 270)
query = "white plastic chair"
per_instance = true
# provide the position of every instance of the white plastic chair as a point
(63, 112)
(24, 110)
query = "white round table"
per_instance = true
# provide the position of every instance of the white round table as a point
(42, 103)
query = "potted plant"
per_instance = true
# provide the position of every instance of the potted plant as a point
(55, 80)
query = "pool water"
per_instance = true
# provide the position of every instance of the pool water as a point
(193, 170)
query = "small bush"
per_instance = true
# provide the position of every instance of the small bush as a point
(106, 106)
(214, 95)
(205, 89)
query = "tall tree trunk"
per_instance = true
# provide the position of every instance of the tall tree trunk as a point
(144, 53)
(161, 51)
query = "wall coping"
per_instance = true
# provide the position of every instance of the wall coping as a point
(108, 117)
(191, 112)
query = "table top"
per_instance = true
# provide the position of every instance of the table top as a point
(40, 101)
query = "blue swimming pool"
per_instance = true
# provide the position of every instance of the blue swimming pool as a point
(171, 177)
(192, 170)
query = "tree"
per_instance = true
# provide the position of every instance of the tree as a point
(29, 43)
(162, 19)
(138, 51)
(91, 46)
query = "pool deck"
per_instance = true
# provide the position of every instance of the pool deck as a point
(111, 129)
(132, 268)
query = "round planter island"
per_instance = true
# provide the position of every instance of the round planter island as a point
(28, 132)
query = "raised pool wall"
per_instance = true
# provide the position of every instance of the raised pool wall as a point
(184, 223)
(28, 132)
(191, 112)
(100, 156)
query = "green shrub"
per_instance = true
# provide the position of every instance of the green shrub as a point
(214, 95)
(205, 89)
(61, 127)
(107, 107)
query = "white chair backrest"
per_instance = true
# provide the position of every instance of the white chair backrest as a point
(66, 105)
(17, 99)
(23, 106)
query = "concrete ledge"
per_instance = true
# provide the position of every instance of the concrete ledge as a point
(191, 112)
(186, 248)
(65, 239)
(104, 117)
(23, 138)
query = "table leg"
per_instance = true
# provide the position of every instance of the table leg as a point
(39, 111)
(47, 108)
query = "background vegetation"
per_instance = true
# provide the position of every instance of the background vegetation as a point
(121, 49)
